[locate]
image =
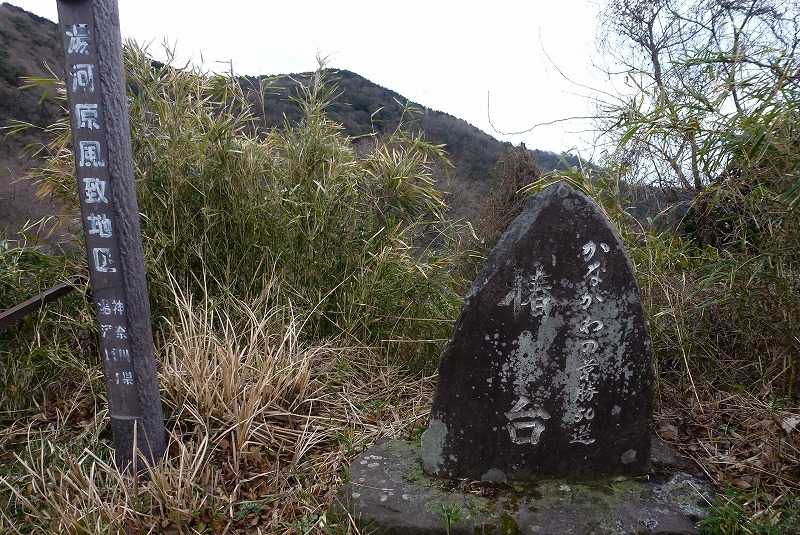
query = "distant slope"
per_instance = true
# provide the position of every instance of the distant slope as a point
(28, 43)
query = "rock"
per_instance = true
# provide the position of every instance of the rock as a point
(548, 373)
(389, 493)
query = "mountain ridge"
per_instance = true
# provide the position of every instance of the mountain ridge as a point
(31, 47)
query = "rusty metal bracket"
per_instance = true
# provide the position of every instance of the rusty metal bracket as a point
(13, 314)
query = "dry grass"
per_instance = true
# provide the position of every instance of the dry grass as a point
(270, 383)
(262, 423)
(261, 428)
(746, 445)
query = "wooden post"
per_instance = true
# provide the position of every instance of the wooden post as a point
(95, 78)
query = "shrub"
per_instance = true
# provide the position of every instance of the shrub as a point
(45, 350)
(226, 206)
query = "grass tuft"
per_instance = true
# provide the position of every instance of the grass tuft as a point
(261, 426)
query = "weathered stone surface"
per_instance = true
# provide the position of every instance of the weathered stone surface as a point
(390, 494)
(548, 373)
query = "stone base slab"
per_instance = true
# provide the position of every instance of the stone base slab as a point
(388, 493)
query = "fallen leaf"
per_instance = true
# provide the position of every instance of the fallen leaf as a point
(207, 515)
(789, 423)
(668, 432)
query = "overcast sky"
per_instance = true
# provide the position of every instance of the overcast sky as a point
(446, 55)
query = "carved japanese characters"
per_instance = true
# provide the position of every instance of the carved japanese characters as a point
(548, 372)
(97, 207)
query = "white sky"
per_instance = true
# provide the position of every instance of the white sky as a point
(446, 55)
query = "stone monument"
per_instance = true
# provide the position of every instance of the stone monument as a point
(548, 372)
(541, 419)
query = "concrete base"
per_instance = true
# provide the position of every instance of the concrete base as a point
(388, 493)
